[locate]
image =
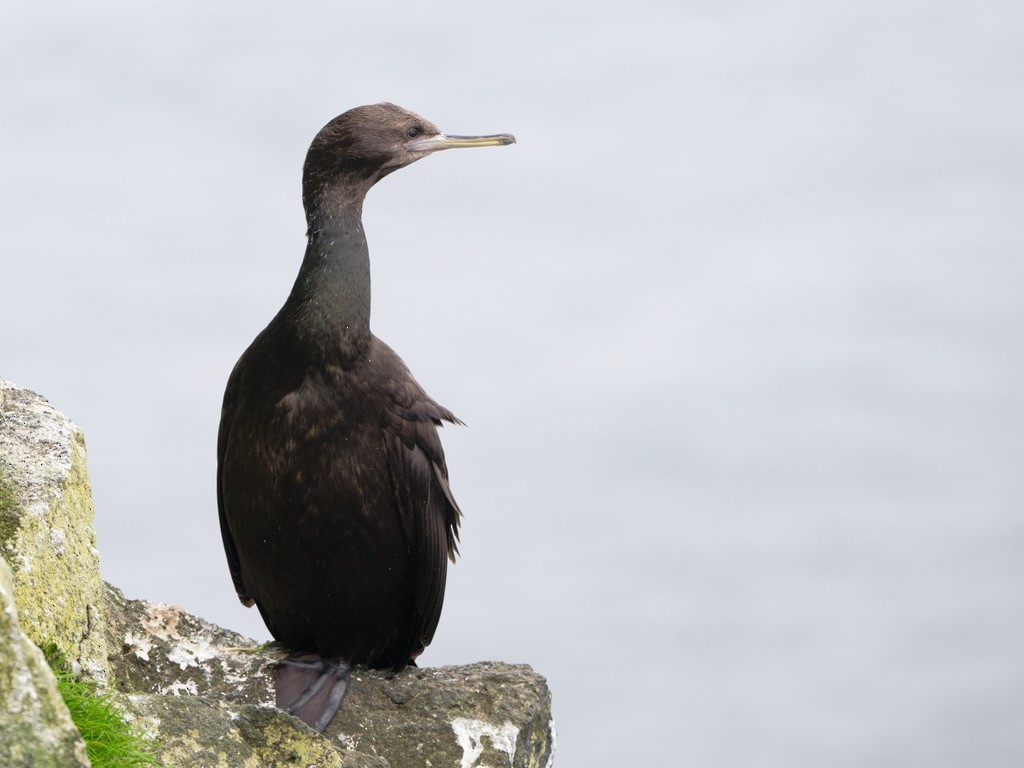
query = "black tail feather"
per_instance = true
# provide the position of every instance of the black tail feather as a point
(311, 688)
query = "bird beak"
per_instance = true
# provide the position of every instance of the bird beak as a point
(440, 141)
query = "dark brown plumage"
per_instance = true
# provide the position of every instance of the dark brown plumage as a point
(335, 508)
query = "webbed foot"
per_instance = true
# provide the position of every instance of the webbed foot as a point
(311, 688)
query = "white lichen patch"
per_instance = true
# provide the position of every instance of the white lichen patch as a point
(161, 622)
(138, 645)
(57, 541)
(177, 688)
(187, 653)
(233, 679)
(348, 742)
(470, 736)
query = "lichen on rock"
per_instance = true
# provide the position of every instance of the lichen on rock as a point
(161, 649)
(35, 727)
(190, 681)
(46, 528)
(483, 714)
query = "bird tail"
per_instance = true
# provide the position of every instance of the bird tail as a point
(311, 688)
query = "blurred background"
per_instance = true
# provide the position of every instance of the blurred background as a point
(736, 328)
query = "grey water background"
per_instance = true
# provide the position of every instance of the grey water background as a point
(736, 328)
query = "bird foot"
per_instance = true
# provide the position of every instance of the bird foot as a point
(311, 688)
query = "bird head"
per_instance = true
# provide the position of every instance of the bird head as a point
(360, 147)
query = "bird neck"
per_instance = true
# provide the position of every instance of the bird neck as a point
(329, 305)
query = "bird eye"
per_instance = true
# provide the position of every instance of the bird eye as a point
(412, 133)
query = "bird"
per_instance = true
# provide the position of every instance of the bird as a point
(336, 513)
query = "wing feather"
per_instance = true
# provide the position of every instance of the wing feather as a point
(428, 511)
(230, 550)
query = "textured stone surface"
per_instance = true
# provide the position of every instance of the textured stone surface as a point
(159, 648)
(35, 727)
(488, 713)
(46, 528)
(202, 732)
(206, 692)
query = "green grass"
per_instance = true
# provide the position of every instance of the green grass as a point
(109, 740)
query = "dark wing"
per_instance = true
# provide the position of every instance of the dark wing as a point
(429, 514)
(226, 416)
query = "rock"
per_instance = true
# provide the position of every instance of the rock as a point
(46, 528)
(488, 713)
(204, 694)
(202, 690)
(159, 648)
(201, 731)
(35, 727)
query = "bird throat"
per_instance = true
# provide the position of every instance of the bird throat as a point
(329, 306)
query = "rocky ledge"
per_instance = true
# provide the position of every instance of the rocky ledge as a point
(203, 693)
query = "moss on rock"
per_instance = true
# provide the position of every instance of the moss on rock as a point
(195, 731)
(10, 517)
(35, 726)
(46, 528)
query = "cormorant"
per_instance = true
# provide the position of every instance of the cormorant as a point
(335, 508)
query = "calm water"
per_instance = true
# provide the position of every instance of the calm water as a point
(736, 327)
